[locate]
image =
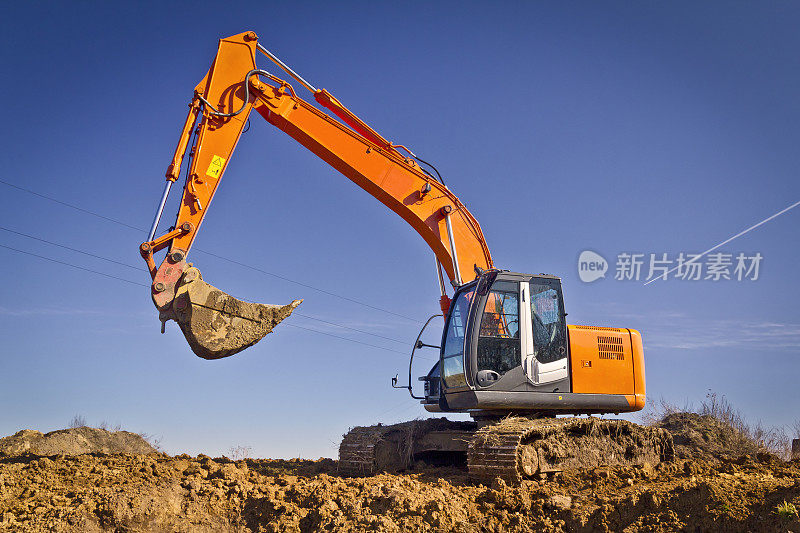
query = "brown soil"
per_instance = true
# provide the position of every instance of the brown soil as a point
(130, 492)
(74, 441)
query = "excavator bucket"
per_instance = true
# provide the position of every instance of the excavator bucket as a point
(218, 325)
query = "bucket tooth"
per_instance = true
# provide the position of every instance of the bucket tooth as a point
(218, 325)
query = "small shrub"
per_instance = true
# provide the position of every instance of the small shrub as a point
(108, 427)
(154, 441)
(785, 510)
(238, 453)
(656, 411)
(78, 421)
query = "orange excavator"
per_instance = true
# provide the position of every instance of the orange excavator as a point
(507, 356)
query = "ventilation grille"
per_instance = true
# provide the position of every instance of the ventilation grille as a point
(602, 328)
(610, 348)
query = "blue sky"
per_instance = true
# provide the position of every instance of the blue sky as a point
(614, 127)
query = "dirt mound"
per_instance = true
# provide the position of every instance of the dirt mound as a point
(74, 441)
(705, 437)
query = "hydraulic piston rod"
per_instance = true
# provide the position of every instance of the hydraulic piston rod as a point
(440, 277)
(287, 68)
(160, 210)
(453, 252)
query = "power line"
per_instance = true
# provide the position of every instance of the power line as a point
(346, 339)
(115, 221)
(350, 328)
(382, 414)
(147, 285)
(74, 266)
(305, 285)
(71, 249)
(33, 237)
(70, 205)
(726, 241)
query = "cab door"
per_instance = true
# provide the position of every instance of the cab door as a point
(545, 331)
(498, 338)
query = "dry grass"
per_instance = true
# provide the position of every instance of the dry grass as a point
(151, 439)
(740, 436)
(658, 410)
(238, 453)
(109, 427)
(748, 437)
(77, 421)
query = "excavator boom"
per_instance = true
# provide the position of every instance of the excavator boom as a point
(218, 325)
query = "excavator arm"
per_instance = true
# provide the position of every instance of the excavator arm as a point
(216, 324)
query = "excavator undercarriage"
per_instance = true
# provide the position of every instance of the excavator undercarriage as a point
(512, 448)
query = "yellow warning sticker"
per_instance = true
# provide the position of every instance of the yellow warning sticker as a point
(215, 167)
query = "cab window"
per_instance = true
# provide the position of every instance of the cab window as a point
(453, 348)
(499, 347)
(549, 329)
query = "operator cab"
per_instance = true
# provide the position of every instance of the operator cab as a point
(504, 346)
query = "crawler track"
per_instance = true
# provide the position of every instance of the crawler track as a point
(357, 451)
(365, 451)
(518, 448)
